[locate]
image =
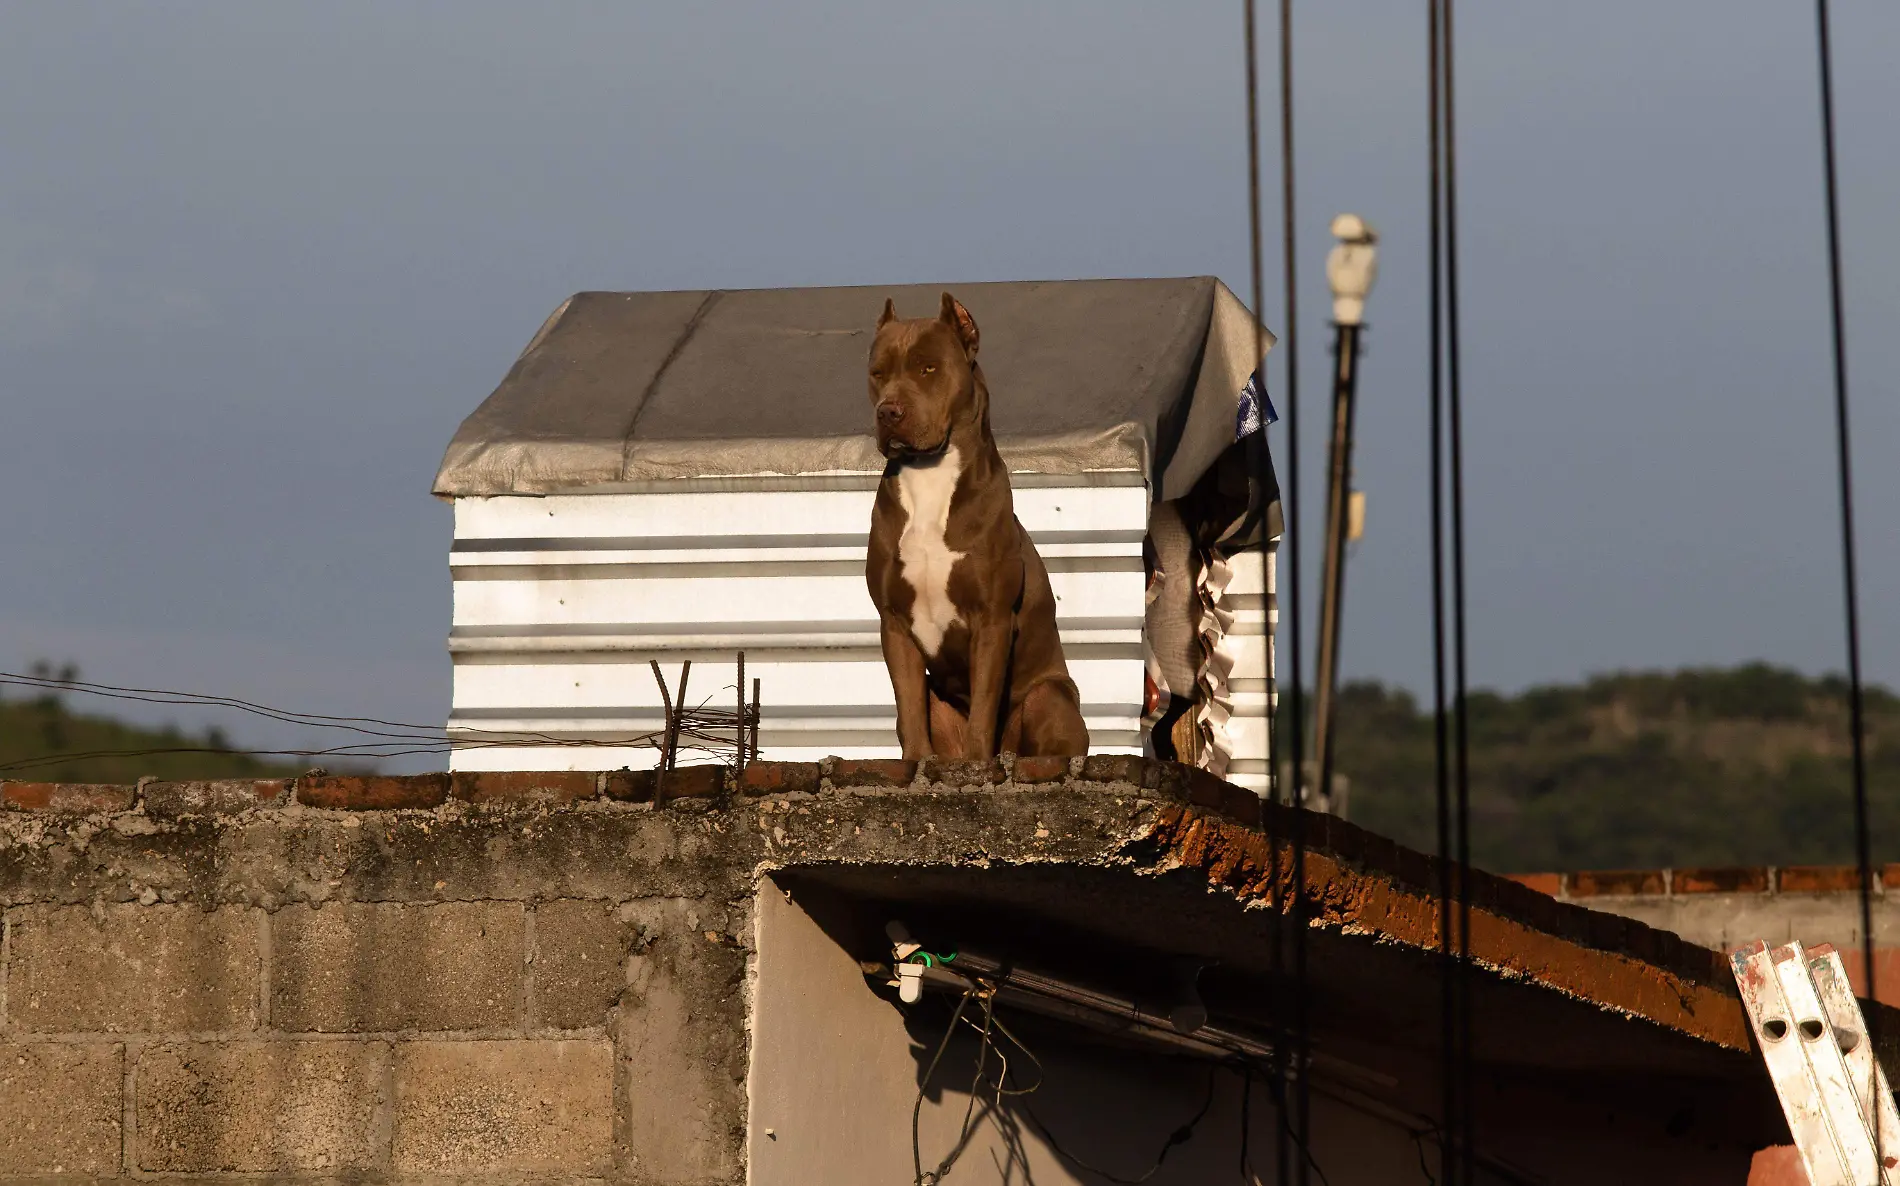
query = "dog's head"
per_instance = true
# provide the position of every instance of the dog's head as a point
(924, 379)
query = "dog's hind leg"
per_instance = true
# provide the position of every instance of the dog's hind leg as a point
(949, 728)
(1049, 722)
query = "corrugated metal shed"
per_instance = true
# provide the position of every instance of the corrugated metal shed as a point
(685, 475)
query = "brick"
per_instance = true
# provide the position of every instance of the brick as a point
(962, 772)
(373, 967)
(872, 772)
(1708, 967)
(1118, 768)
(630, 786)
(523, 786)
(259, 1106)
(1886, 972)
(692, 782)
(517, 1107)
(149, 969)
(1818, 879)
(1347, 841)
(77, 798)
(1040, 769)
(1381, 852)
(1668, 948)
(60, 1109)
(1533, 907)
(1777, 1165)
(380, 792)
(1890, 876)
(1201, 788)
(780, 778)
(1719, 881)
(1544, 883)
(218, 797)
(1616, 882)
(1242, 806)
(1572, 922)
(1608, 932)
(1416, 869)
(579, 968)
(1643, 941)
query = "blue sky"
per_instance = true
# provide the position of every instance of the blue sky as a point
(257, 261)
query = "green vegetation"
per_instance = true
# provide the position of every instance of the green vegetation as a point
(1750, 765)
(104, 750)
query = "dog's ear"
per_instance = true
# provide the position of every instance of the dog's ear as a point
(889, 314)
(958, 318)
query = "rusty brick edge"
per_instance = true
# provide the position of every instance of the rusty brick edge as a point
(1614, 962)
(1692, 881)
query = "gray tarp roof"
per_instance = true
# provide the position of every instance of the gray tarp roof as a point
(1084, 375)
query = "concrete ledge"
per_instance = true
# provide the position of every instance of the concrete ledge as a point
(431, 860)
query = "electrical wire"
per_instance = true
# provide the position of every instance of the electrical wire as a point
(1850, 580)
(1451, 1101)
(1255, 238)
(1246, 1126)
(699, 729)
(1299, 1128)
(1180, 1136)
(923, 1086)
(1461, 717)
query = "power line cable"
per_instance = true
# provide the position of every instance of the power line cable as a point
(1850, 580)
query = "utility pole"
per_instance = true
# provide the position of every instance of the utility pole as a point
(1350, 269)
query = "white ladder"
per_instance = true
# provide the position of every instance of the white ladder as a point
(1814, 1041)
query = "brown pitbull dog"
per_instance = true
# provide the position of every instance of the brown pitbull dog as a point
(968, 619)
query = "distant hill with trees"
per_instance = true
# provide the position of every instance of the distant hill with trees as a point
(1740, 766)
(43, 740)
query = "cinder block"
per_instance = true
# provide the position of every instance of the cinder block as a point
(579, 969)
(256, 1106)
(131, 968)
(683, 1050)
(60, 1109)
(519, 1107)
(368, 967)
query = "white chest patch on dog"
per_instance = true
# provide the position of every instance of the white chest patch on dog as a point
(924, 491)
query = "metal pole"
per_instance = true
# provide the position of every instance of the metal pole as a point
(1350, 269)
(738, 722)
(1333, 590)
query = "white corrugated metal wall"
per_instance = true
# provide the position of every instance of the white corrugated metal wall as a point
(561, 602)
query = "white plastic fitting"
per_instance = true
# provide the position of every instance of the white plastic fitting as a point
(1351, 267)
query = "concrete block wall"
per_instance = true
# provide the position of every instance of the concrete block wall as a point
(204, 1018)
(524, 977)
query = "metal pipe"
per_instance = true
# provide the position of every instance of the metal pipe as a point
(1333, 588)
(1350, 270)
